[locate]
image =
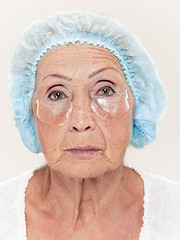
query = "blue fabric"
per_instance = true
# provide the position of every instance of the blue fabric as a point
(64, 27)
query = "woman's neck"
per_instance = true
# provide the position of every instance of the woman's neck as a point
(79, 202)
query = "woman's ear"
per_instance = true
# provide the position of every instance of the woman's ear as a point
(30, 109)
(133, 109)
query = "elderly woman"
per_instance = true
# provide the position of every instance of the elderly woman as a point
(83, 88)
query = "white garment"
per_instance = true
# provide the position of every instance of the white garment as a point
(161, 207)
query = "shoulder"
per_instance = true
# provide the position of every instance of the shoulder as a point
(10, 188)
(164, 194)
(159, 185)
(162, 203)
(161, 206)
(11, 204)
(162, 187)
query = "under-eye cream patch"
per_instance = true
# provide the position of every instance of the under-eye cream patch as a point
(56, 111)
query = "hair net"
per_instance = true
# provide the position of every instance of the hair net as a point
(69, 27)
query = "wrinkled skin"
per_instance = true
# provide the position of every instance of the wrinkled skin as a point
(95, 198)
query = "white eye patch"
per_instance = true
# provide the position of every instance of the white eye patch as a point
(105, 107)
(57, 111)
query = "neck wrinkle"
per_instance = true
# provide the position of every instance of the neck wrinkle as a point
(77, 201)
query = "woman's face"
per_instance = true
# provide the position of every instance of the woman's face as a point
(82, 98)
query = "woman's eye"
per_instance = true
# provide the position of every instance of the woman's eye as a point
(56, 95)
(105, 91)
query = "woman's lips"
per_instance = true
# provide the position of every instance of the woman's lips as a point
(83, 153)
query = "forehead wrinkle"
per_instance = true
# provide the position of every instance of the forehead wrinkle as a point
(82, 52)
(100, 57)
(112, 58)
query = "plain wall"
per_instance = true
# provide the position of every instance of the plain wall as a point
(155, 22)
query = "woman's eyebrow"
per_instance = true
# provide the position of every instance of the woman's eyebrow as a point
(58, 76)
(90, 76)
(100, 70)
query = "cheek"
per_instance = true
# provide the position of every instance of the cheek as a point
(117, 133)
(117, 124)
(50, 138)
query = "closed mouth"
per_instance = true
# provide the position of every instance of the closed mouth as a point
(86, 148)
(83, 152)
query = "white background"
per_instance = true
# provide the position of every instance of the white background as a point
(155, 22)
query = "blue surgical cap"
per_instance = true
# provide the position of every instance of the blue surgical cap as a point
(85, 27)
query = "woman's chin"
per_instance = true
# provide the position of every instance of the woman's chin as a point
(83, 167)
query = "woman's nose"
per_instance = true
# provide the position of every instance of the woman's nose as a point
(81, 117)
